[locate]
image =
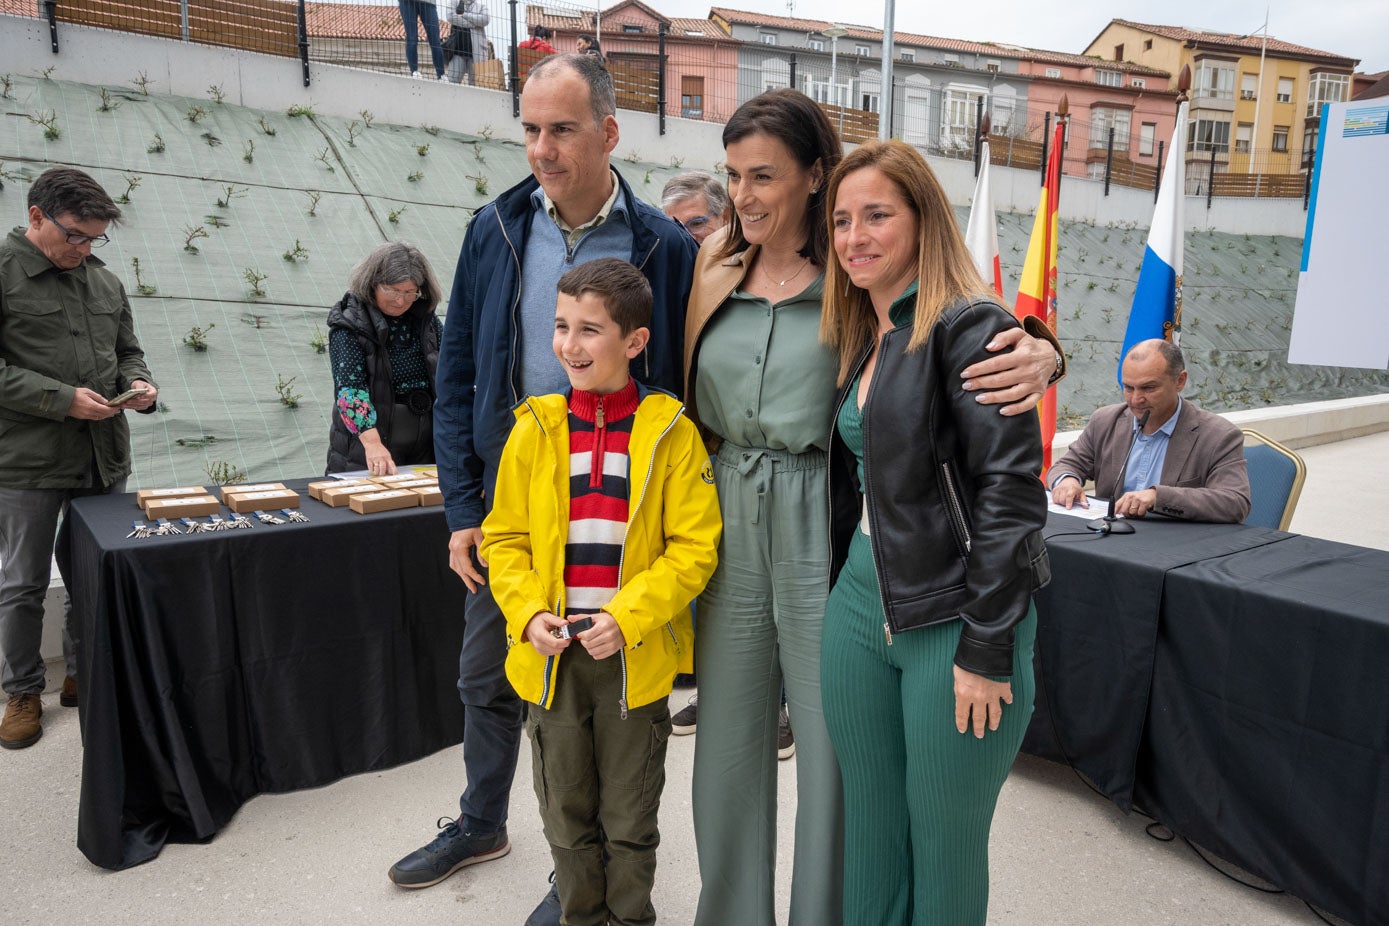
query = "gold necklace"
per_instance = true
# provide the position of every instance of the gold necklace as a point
(805, 262)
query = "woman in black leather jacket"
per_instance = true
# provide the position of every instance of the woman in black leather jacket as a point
(383, 340)
(936, 513)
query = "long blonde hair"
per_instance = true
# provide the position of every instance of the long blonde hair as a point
(945, 270)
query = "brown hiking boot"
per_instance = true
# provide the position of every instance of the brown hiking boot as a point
(21, 725)
(68, 697)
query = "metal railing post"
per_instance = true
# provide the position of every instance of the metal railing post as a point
(183, 19)
(1210, 182)
(793, 70)
(515, 66)
(1157, 179)
(978, 137)
(303, 39)
(50, 13)
(661, 78)
(1108, 160)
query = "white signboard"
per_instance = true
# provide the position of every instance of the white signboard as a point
(1341, 317)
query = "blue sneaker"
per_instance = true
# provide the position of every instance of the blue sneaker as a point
(451, 850)
(548, 913)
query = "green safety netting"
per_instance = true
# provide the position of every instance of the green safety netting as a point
(223, 404)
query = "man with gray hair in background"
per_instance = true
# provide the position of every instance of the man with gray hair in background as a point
(698, 201)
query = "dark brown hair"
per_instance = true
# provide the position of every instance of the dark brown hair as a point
(67, 190)
(624, 290)
(945, 270)
(796, 121)
(602, 99)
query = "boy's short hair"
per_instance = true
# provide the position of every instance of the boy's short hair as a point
(624, 290)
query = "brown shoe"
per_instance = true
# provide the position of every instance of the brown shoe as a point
(21, 725)
(68, 697)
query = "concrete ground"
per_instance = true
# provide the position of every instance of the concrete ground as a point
(1060, 854)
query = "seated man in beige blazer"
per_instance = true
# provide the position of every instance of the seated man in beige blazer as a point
(1186, 463)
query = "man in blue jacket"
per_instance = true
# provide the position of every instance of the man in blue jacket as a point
(496, 350)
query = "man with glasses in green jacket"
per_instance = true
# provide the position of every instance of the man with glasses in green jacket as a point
(67, 349)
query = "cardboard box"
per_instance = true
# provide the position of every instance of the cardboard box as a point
(410, 484)
(390, 500)
(270, 500)
(144, 495)
(188, 506)
(242, 490)
(429, 495)
(401, 478)
(317, 487)
(339, 496)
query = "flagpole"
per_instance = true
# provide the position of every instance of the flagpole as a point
(1258, 98)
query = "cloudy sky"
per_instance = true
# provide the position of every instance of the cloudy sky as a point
(1354, 28)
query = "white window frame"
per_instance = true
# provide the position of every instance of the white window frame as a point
(818, 88)
(1054, 73)
(958, 107)
(863, 51)
(1248, 86)
(1219, 135)
(1101, 118)
(907, 54)
(815, 44)
(1283, 131)
(1326, 88)
(1244, 135)
(1286, 86)
(1147, 139)
(1215, 80)
(1106, 78)
(767, 38)
(1140, 82)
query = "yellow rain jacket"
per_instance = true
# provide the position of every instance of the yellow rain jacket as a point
(668, 554)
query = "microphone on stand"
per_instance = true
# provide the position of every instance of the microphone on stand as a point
(1110, 523)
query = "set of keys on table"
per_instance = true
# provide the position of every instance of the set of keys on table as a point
(163, 527)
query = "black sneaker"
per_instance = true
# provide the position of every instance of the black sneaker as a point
(785, 742)
(451, 850)
(547, 914)
(683, 723)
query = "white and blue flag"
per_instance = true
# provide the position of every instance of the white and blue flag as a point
(1157, 300)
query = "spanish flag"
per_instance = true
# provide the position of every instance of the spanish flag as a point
(1037, 288)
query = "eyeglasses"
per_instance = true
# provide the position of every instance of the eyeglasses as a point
(95, 241)
(696, 225)
(400, 295)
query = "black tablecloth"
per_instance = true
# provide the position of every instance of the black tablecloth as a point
(1268, 731)
(1096, 636)
(218, 666)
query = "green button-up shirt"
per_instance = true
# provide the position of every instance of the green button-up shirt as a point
(764, 379)
(61, 329)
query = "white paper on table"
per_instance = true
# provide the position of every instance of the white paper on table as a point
(1098, 508)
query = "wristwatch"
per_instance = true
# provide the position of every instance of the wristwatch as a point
(1060, 368)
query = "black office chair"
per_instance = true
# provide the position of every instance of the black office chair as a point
(1276, 474)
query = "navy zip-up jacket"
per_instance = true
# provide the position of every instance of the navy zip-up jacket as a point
(478, 381)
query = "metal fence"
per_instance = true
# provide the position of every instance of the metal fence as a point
(686, 68)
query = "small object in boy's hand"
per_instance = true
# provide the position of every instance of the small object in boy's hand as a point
(575, 626)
